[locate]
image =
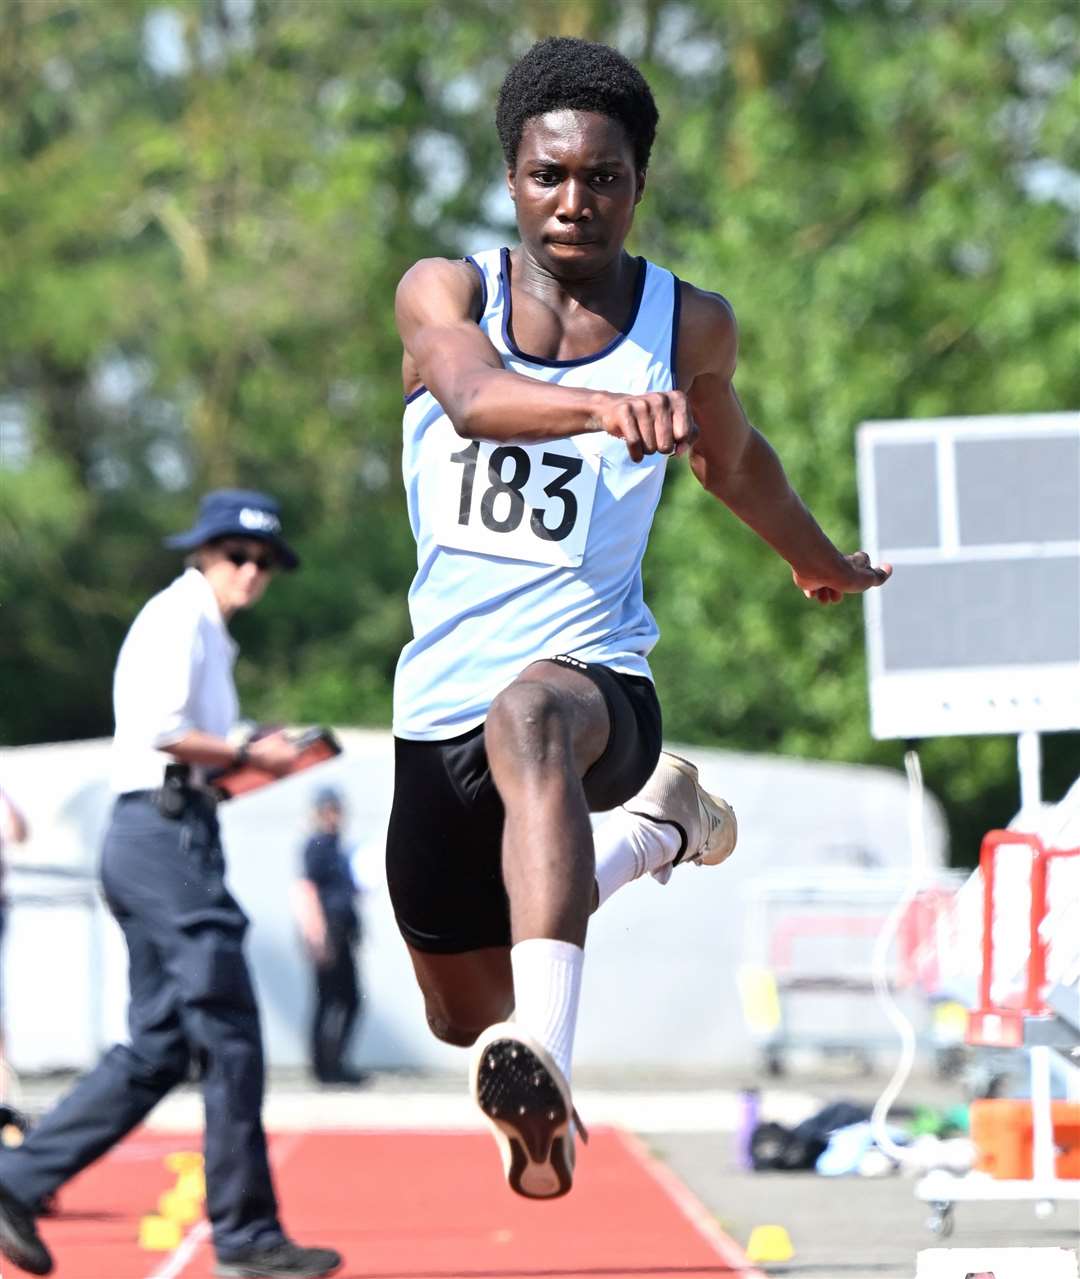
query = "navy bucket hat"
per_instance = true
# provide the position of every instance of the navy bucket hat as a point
(237, 513)
(328, 797)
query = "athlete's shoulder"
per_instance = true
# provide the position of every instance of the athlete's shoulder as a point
(456, 274)
(705, 308)
(708, 333)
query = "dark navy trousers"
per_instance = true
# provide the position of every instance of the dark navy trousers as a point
(192, 1000)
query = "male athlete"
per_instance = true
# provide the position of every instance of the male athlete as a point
(546, 387)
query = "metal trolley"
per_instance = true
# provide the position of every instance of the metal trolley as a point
(807, 980)
(1028, 1001)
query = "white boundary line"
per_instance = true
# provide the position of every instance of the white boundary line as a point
(691, 1207)
(177, 1260)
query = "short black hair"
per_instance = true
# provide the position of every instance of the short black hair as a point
(561, 73)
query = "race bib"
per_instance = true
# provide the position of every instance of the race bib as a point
(529, 502)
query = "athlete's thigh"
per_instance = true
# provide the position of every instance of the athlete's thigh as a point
(617, 721)
(634, 743)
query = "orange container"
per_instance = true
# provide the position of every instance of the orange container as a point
(1002, 1132)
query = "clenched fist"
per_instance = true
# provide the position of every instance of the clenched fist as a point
(656, 422)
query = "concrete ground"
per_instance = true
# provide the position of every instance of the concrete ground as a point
(849, 1228)
(841, 1228)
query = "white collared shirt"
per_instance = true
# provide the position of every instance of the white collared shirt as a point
(173, 675)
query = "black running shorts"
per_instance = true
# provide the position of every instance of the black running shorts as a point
(444, 843)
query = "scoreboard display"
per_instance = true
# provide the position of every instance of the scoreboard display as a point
(979, 629)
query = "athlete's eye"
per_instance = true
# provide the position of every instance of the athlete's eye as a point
(605, 179)
(546, 178)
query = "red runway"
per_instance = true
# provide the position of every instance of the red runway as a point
(405, 1205)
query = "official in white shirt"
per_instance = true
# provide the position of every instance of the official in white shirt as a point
(163, 874)
(14, 829)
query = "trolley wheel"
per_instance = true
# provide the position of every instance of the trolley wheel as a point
(775, 1066)
(940, 1221)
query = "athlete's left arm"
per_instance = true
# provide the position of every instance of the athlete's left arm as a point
(734, 461)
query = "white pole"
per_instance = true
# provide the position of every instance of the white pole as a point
(1043, 1166)
(1029, 760)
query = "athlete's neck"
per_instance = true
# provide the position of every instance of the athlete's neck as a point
(609, 288)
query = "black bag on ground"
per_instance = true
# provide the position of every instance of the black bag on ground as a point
(774, 1148)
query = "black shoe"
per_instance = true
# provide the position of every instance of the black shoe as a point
(344, 1077)
(283, 1261)
(19, 1239)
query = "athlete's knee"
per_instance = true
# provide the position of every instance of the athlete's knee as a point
(450, 1032)
(462, 1028)
(529, 719)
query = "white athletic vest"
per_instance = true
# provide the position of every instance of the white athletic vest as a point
(526, 551)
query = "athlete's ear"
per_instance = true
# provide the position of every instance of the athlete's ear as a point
(640, 186)
(510, 184)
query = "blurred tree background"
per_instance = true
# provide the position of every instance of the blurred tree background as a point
(205, 206)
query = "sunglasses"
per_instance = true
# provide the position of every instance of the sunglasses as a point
(264, 561)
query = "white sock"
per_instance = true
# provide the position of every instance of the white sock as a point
(629, 846)
(547, 987)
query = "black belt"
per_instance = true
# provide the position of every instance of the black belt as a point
(171, 800)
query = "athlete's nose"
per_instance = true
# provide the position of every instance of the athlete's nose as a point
(574, 202)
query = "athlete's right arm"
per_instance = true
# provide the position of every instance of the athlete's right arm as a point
(438, 304)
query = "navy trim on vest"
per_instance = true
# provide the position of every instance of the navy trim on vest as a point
(676, 308)
(483, 282)
(413, 394)
(514, 349)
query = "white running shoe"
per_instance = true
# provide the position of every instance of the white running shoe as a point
(526, 1100)
(706, 823)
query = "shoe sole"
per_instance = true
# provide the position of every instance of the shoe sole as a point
(227, 1270)
(515, 1085)
(35, 1260)
(12, 1247)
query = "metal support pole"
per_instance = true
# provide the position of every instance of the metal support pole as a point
(1029, 760)
(1042, 1122)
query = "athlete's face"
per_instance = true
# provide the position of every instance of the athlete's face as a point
(575, 187)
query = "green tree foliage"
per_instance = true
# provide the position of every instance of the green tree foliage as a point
(205, 206)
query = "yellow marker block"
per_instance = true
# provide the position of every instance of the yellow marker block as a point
(181, 1161)
(760, 999)
(174, 1206)
(157, 1234)
(192, 1185)
(950, 1020)
(769, 1243)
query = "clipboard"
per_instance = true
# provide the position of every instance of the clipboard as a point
(316, 746)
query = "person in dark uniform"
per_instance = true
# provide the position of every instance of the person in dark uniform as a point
(330, 924)
(163, 875)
